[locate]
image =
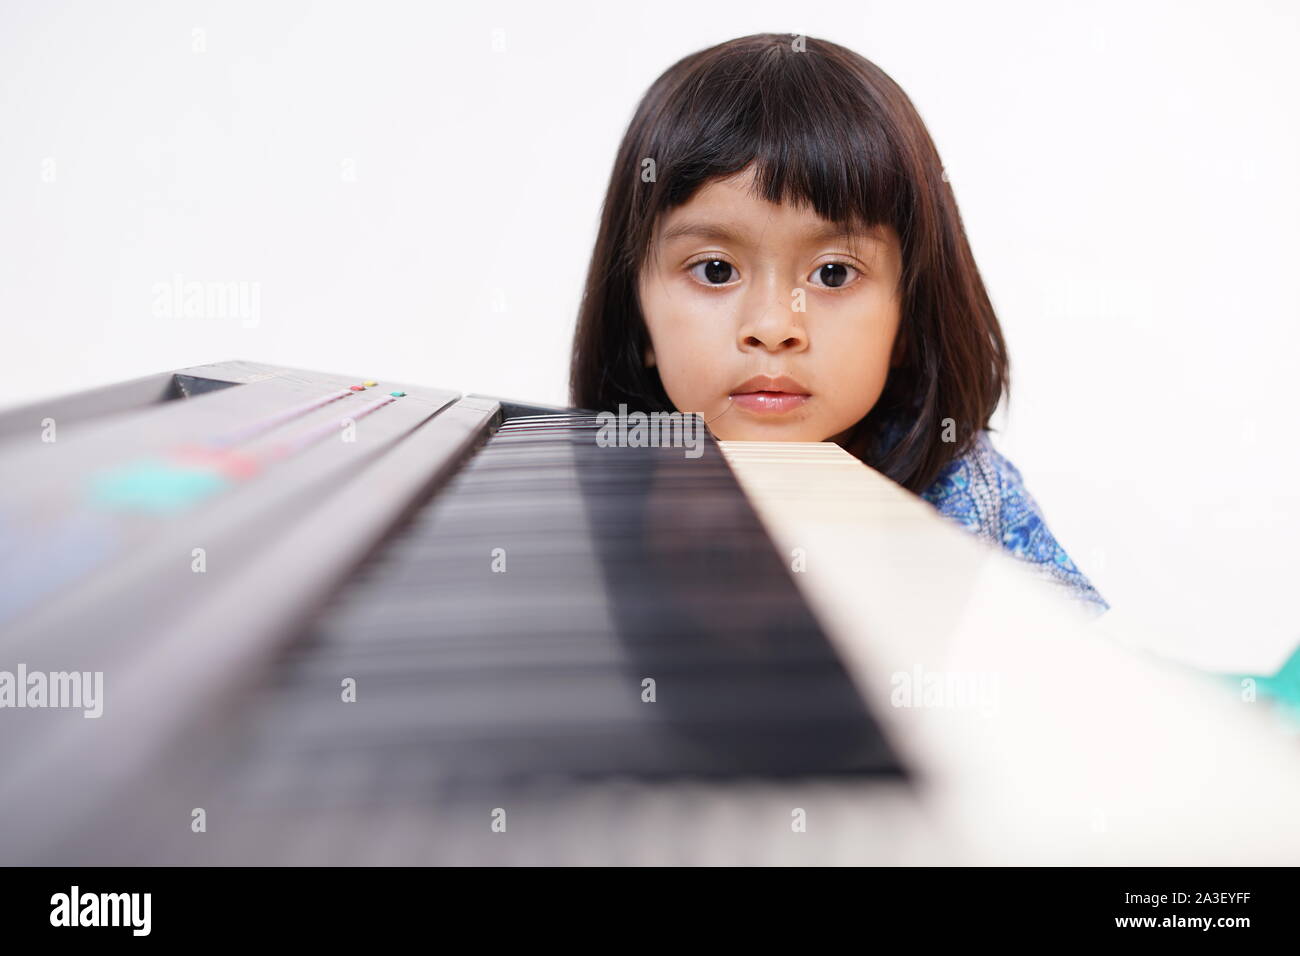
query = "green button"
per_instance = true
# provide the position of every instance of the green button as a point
(155, 486)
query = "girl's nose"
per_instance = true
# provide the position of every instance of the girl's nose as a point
(772, 323)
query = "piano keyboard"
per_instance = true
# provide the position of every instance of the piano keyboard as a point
(515, 627)
(464, 630)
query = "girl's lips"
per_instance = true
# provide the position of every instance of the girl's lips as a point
(772, 403)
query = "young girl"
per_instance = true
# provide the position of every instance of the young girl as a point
(780, 251)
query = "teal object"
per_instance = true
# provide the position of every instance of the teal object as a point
(1282, 689)
(155, 486)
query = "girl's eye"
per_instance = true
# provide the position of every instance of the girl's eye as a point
(714, 271)
(832, 275)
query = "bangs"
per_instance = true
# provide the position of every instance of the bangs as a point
(805, 121)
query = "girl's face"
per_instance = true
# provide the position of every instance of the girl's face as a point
(737, 287)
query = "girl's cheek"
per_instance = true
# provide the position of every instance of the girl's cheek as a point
(697, 335)
(700, 315)
(693, 368)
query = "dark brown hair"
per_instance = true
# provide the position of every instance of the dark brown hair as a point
(824, 127)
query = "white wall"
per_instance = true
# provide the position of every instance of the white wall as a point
(1127, 174)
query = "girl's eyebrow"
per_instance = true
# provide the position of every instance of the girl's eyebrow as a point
(721, 233)
(701, 230)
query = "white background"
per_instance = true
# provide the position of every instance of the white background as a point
(415, 189)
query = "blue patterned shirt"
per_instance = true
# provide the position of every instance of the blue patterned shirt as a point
(984, 492)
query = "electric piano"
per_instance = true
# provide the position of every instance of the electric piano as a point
(260, 615)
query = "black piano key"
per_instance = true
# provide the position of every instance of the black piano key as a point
(622, 564)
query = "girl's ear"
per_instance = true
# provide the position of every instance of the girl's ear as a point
(649, 356)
